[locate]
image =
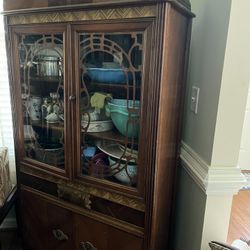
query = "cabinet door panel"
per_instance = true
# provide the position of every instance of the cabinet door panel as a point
(41, 91)
(60, 228)
(45, 226)
(96, 235)
(34, 228)
(110, 75)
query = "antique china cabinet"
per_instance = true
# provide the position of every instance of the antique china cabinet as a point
(97, 89)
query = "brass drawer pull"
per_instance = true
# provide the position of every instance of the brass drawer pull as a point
(72, 98)
(87, 246)
(60, 235)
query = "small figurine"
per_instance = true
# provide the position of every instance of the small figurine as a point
(54, 109)
(45, 106)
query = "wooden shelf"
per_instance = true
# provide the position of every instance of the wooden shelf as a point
(59, 126)
(112, 136)
(112, 85)
(46, 79)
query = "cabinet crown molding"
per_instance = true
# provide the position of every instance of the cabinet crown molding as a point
(10, 6)
(84, 15)
(213, 180)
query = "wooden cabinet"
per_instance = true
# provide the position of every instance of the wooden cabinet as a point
(97, 89)
(45, 225)
(48, 225)
(102, 236)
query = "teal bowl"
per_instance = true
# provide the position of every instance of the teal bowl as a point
(118, 110)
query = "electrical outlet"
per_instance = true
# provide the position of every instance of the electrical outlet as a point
(195, 99)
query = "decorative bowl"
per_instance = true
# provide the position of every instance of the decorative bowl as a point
(111, 65)
(118, 110)
(51, 156)
(97, 126)
(103, 75)
(89, 151)
(123, 176)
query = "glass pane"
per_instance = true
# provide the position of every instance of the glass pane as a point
(42, 87)
(111, 73)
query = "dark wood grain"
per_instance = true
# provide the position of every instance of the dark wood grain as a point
(143, 25)
(103, 237)
(10, 5)
(16, 99)
(172, 83)
(121, 225)
(110, 225)
(98, 204)
(39, 219)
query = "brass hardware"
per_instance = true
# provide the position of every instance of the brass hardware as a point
(72, 98)
(87, 246)
(60, 235)
(97, 192)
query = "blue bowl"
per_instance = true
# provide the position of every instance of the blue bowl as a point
(112, 76)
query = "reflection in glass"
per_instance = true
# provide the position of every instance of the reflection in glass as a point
(111, 75)
(41, 71)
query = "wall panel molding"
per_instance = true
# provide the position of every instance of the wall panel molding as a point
(213, 180)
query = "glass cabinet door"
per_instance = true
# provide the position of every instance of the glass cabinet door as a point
(41, 61)
(110, 83)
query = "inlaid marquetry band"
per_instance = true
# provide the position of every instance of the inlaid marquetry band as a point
(85, 15)
(80, 188)
(74, 195)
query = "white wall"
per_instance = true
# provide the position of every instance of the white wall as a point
(234, 88)
(244, 157)
(220, 67)
(208, 44)
(6, 128)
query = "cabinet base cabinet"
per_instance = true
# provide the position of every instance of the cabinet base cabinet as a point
(100, 236)
(51, 227)
(97, 91)
(45, 225)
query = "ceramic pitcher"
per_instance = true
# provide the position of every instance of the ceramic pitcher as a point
(35, 103)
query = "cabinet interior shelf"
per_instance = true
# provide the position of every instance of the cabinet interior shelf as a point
(112, 136)
(112, 85)
(46, 79)
(59, 126)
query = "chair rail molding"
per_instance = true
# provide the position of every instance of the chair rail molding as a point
(213, 180)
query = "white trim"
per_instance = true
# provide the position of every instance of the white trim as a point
(213, 180)
(9, 223)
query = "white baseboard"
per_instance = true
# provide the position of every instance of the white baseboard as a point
(213, 180)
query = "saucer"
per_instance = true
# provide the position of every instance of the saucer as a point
(118, 151)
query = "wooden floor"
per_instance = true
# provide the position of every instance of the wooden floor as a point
(240, 217)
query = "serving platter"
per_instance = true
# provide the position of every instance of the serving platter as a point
(119, 151)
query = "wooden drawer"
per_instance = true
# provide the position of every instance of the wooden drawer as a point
(60, 228)
(44, 225)
(33, 219)
(92, 235)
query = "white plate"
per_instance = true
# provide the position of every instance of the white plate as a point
(117, 151)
